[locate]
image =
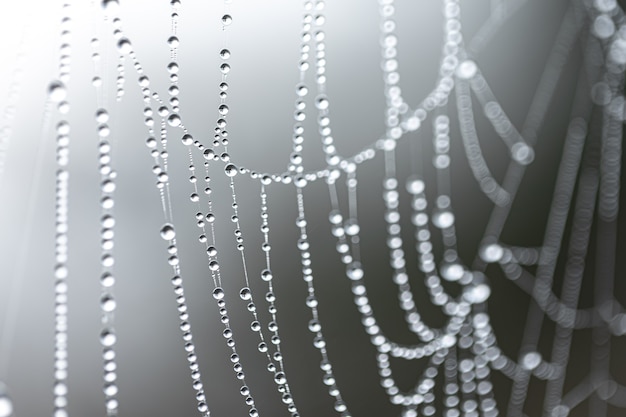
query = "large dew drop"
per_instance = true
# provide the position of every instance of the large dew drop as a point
(57, 91)
(168, 232)
(230, 170)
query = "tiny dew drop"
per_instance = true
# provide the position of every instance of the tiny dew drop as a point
(227, 19)
(168, 232)
(225, 54)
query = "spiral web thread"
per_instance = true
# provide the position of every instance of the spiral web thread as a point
(464, 353)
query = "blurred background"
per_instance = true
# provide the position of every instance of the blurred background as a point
(264, 41)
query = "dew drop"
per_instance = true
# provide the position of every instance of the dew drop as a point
(478, 294)
(174, 120)
(491, 253)
(280, 378)
(107, 338)
(466, 70)
(266, 275)
(223, 109)
(443, 219)
(107, 303)
(218, 293)
(230, 170)
(322, 103)
(227, 19)
(225, 53)
(245, 293)
(415, 185)
(57, 91)
(173, 42)
(168, 232)
(531, 360)
(522, 153)
(124, 46)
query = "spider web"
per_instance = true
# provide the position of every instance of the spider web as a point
(449, 346)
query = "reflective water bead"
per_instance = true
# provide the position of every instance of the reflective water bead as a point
(466, 70)
(266, 275)
(491, 253)
(168, 232)
(531, 360)
(224, 68)
(218, 293)
(443, 219)
(173, 42)
(245, 293)
(227, 19)
(230, 170)
(107, 303)
(321, 102)
(107, 338)
(124, 46)
(174, 120)
(57, 91)
(280, 378)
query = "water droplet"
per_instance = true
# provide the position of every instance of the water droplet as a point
(102, 116)
(245, 293)
(355, 271)
(302, 90)
(322, 103)
(227, 19)
(224, 68)
(603, 26)
(173, 42)
(491, 253)
(223, 109)
(466, 70)
(443, 219)
(225, 53)
(522, 153)
(280, 378)
(107, 338)
(415, 185)
(57, 91)
(531, 360)
(168, 232)
(107, 303)
(266, 275)
(478, 294)
(452, 272)
(174, 120)
(218, 293)
(124, 46)
(110, 5)
(230, 170)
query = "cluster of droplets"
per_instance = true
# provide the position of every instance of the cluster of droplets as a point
(108, 302)
(57, 94)
(280, 376)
